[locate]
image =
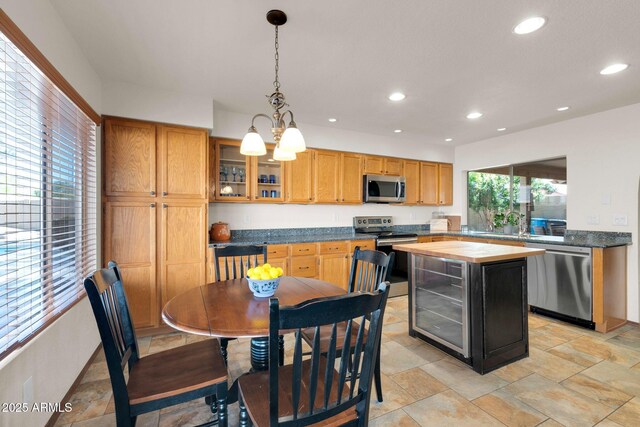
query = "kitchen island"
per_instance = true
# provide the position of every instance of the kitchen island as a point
(470, 300)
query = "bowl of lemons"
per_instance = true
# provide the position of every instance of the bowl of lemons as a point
(264, 280)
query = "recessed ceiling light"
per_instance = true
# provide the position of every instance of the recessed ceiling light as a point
(398, 131)
(614, 68)
(397, 96)
(332, 120)
(562, 108)
(474, 115)
(530, 25)
(449, 139)
(501, 129)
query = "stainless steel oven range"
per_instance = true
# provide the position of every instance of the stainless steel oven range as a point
(381, 227)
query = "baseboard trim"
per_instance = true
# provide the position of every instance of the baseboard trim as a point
(72, 389)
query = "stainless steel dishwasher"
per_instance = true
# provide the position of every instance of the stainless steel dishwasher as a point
(559, 283)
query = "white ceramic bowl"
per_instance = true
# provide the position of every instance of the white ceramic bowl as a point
(263, 288)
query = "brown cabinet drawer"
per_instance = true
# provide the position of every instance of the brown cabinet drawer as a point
(302, 249)
(283, 263)
(277, 251)
(365, 245)
(333, 247)
(304, 266)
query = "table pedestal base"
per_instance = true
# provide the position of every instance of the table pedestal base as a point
(260, 353)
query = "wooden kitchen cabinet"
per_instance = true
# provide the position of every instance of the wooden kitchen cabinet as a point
(182, 162)
(129, 158)
(365, 245)
(411, 171)
(130, 240)
(182, 247)
(445, 184)
(327, 174)
(428, 183)
(155, 210)
(350, 178)
(373, 165)
(228, 158)
(392, 166)
(278, 256)
(300, 178)
(265, 167)
(333, 268)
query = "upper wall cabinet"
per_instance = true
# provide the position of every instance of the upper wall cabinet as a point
(411, 172)
(327, 167)
(129, 158)
(445, 187)
(350, 178)
(182, 162)
(436, 184)
(300, 178)
(377, 165)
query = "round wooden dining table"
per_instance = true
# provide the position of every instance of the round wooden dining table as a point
(228, 309)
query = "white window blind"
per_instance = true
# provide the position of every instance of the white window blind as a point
(47, 199)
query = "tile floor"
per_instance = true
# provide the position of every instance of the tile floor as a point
(573, 377)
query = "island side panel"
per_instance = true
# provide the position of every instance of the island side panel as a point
(499, 324)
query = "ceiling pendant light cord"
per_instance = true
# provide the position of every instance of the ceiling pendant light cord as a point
(276, 83)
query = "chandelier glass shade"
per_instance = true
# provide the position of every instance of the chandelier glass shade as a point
(288, 139)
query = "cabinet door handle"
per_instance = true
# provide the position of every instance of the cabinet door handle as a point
(309, 198)
(153, 193)
(152, 205)
(164, 193)
(304, 268)
(165, 206)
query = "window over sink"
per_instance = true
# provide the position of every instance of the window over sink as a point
(534, 193)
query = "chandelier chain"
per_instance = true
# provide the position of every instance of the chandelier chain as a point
(276, 83)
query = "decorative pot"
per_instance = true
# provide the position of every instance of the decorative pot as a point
(220, 232)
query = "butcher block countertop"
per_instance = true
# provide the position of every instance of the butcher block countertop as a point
(469, 251)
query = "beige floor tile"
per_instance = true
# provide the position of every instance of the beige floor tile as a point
(463, 379)
(551, 423)
(597, 390)
(390, 318)
(89, 400)
(628, 414)
(555, 401)
(513, 372)
(616, 376)
(397, 418)
(607, 423)
(398, 303)
(396, 358)
(395, 397)
(536, 321)
(97, 371)
(550, 366)
(606, 350)
(399, 332)
(143, 345)
(568, 352)
(418, 383)
(449, 409)
(509, 410)
(190, 416)
(427, 352)
(629, 339)
(543, 341)
(108, 420)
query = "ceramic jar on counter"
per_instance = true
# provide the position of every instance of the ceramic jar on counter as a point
(220, 232)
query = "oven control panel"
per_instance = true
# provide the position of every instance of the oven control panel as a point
(364, 222)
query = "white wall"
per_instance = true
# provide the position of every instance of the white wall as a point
(246, 216)
(56, 356)
(603, 168)
(144, 103)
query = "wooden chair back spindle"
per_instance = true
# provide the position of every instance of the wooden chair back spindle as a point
(369, 268)
(237, 260)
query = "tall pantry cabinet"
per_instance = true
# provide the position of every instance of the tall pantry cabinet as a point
(155, 211)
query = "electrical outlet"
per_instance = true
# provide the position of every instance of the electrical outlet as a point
(412, 216)
(27, 391)
(593, 219)
(336, 217)
(247, 219)
(619, 219)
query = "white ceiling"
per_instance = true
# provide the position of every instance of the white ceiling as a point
(343, 58)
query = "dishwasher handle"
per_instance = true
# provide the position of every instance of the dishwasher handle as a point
(578, 254)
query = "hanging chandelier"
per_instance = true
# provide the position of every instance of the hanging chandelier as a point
(288, 139)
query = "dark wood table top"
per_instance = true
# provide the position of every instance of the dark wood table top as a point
(228, 308)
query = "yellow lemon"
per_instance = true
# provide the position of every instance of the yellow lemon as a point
(280, 272)
(266, 266)
(250, 272)
(265, 276)
(257, 270)
(273, 272)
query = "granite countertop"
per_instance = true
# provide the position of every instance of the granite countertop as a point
(590, 239)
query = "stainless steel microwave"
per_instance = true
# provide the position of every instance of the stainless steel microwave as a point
(383, 189)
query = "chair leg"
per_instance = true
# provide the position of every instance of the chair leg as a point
(377, 378)
(224, 342)
(212, 402)
(245, 421)
(221, 394)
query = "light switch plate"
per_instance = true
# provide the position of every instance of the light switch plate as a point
(619, 219)
(606, 199)
(27, 391)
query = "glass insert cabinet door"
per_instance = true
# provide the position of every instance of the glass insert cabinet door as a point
(232, 169)
(440, 301)
(268, 182)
